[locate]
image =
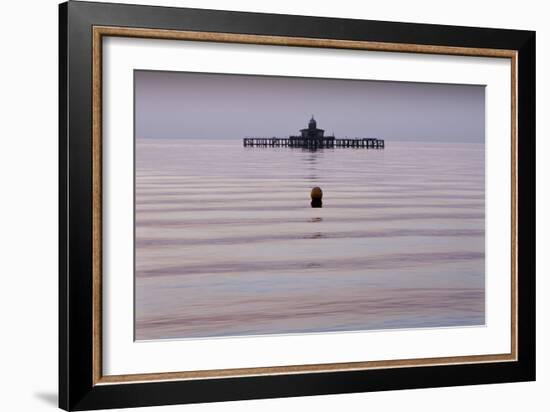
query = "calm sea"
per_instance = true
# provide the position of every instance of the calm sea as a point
(227, 242)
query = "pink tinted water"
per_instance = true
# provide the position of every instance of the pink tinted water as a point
(227, 242)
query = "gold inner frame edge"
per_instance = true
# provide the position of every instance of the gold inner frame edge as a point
(98, 32)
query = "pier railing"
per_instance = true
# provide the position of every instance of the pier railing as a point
(359, 143)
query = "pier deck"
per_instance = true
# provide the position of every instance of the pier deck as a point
(360, 143)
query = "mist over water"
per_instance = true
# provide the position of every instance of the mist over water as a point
(228, 244)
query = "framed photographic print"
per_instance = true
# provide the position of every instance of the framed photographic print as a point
(256, 205)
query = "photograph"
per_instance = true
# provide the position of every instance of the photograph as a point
(271, 205)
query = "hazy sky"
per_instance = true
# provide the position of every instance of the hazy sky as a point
(196, 105)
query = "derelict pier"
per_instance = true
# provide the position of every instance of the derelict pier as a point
(313, 138)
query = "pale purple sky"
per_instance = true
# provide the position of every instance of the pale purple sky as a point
(185, 105)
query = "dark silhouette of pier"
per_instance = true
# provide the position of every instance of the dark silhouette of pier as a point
(313, 138)
(287, 142)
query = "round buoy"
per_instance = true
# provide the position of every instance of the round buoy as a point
(316, 193)
(316, 197)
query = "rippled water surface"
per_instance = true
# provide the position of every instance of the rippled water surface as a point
(227, 242)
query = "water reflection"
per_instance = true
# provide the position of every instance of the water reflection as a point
(312, 158)
(316, 203)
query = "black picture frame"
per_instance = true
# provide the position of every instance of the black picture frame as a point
(77, 390)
